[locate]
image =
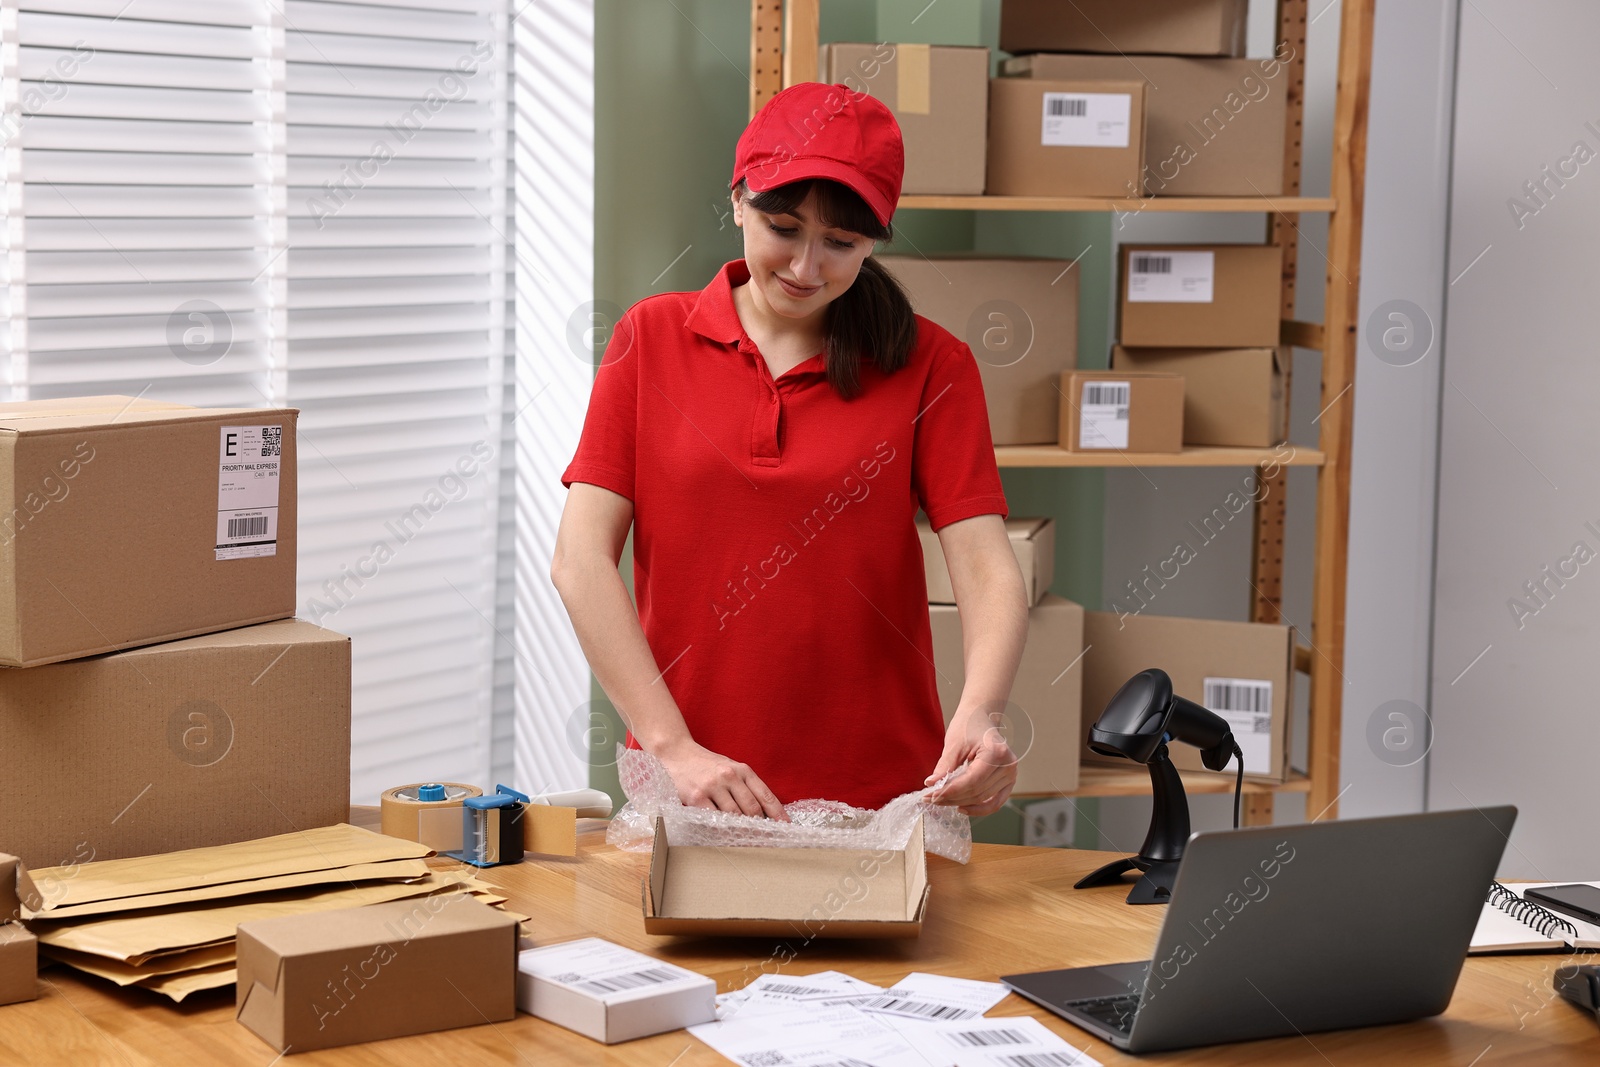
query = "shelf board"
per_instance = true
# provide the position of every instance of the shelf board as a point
(1054, 456)
(1121, 204)
(1132, 780)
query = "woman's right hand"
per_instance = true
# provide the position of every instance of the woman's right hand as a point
(708, 780)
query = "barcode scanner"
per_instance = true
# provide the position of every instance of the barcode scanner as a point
(1136, 724)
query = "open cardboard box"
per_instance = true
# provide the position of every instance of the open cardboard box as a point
(766, 891)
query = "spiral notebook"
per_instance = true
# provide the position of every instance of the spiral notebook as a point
(1511, 924)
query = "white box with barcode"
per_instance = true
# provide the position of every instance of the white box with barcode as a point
(610, 993)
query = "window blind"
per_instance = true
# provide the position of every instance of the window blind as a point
(254, 202)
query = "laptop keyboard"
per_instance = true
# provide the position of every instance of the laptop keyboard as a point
(1115, 1012)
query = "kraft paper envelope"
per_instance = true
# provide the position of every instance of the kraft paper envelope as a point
(318, 849)
(127, 974)
(135, 938)
(390, 870)
(178, 986)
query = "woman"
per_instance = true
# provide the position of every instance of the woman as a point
(770, 440)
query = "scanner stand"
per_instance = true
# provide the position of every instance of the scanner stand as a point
(1162, 850)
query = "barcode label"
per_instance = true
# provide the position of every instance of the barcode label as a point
(636, 980)
(247, 491)
(982, 1038)
(1171, 277)
(1103, 415)
(781, 989)
(1086, 120)
(251, 527)
(1040, 1059)
(1239, 694)
(1246, 705)
(1107, 393)
(922, 1009)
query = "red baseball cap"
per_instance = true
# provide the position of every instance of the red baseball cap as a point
(815, 130)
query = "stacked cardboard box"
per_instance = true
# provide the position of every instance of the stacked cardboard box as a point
(1019, 315)
(148, 547)
(1042, 718)
(939, 96)
(19, 949)
(1209, 314)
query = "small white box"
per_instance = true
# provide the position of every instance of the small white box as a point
(610, 993)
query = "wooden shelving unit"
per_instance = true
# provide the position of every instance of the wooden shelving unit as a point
(784, 49)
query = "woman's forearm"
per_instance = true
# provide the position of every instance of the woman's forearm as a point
(994, 629)
(614, 643)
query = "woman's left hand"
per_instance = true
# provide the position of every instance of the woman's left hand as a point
(974, 738)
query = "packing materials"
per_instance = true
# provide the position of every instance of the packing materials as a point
(1126, 411)
(1065, 137)
(813, 824)
(1200, 296)
(1042, 717)
(1243, 671)
(125, 522)
(940, 97)
(1032, 540)
(19, 949)
(322, 848)
(227, 737)
(1212, 127)
(1019, 315)
(610, 993)
(1176, 27)
(777, 891)
(167, 923)
(1231, 396)
(431, 813)
(365, 974)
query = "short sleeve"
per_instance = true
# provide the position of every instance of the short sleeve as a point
(606, 447)
(953, 468)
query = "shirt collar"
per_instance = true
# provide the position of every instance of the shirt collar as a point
(713, 314)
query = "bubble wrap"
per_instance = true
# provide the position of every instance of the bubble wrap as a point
(814, 823)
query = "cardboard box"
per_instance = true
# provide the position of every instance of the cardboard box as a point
(19, 964)
(1065, 138)
(1200, 296)
(1176, 27)
(386, 970)
(765, 891)
(205, 741)
(610, 993)
(16, 889)
(125, 522)
(1212, 127)
(1046, 698)
(940, 97)
(1244, 671)
(1123, 411)
(1019, 315)
(1231, 396)
(1032, 540)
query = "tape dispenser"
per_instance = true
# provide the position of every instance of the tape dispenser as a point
(491, 828)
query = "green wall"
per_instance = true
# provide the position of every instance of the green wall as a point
(672, 97)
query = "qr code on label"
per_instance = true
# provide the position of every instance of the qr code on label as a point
(765, 1059)
(271, 441)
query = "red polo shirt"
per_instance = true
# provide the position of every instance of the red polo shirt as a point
(777, 570)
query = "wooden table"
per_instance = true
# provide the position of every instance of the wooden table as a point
(1011, 909)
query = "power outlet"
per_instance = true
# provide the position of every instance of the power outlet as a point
(1050, 823)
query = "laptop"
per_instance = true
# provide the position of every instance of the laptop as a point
(1283, 930)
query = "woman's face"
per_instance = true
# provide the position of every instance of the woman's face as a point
(797, 265)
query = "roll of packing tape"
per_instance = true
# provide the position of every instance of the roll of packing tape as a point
(426, 812)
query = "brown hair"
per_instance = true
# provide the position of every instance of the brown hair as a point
(873, 319)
